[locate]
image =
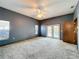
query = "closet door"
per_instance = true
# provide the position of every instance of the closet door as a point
(68, 32)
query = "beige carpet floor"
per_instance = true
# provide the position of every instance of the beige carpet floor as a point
(39, 48)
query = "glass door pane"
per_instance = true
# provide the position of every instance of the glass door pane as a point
(49, 31)
(56, 31)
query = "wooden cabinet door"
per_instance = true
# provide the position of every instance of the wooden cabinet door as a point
(68, 32)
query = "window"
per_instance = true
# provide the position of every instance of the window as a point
(36, 29)
(4, 29)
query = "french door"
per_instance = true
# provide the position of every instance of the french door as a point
(53, 31)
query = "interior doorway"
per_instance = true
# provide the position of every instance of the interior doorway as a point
(70, 32)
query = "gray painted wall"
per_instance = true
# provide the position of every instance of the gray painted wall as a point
(58, 20)
(76, 11)
(21, 27)
(76, 15)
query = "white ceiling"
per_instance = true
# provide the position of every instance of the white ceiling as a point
(50, 8)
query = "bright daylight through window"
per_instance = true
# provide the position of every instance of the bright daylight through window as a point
(36, 29)
(4, 29)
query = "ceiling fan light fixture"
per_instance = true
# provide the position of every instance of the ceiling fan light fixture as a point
(39, 14)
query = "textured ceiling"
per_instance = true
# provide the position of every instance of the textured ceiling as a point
(49, 8)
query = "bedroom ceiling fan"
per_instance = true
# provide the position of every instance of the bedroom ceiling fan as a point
(35, 6)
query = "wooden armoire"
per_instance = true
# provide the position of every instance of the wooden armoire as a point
(70, 32)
